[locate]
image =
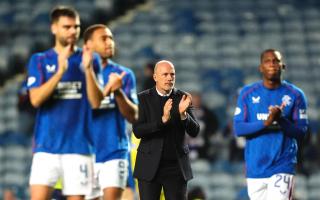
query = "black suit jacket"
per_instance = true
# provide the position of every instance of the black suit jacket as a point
(149, 128)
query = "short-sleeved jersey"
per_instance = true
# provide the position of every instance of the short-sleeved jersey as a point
(269, 150)
(108, 132)
(62, 120)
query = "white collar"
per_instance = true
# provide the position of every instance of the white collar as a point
(163, 95)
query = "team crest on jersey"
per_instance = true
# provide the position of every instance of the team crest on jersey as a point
(256, 99)
(31, 80)
(237, 111)
(286, 100)
(51, 68)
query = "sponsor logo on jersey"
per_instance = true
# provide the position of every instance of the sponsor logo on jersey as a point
(31, 80)
(256, 99)
(107, 102)
(286, 100)
(262, 116)
(303, 114)
(68, 90)
(51, 68)
(237, 111)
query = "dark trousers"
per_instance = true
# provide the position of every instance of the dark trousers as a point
(169, 178)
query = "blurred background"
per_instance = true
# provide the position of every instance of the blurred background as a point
(215, 46)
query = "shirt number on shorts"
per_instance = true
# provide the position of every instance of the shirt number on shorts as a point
(84, 171)
(285, 179)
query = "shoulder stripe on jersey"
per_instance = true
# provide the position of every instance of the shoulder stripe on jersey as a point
(40, 58)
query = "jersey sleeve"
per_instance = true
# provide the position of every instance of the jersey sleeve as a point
(241, 125)
(129, 87)
(296, 127)
(35, 75)
(300, 116)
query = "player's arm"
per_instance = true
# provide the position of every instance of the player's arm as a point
(122, 92)
(247, 128)
(241, 126)
(38, 95)
(126, 107)
(94, 93)
(291, 129)
(298, 126)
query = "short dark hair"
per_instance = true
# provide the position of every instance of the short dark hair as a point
(87, 35)
(60, 11)
(264, 52)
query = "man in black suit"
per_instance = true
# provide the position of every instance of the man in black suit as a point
(164, 118)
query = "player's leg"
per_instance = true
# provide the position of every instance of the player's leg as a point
(113, 178)
(127, 194)
(280, 187)
(112, 193)
(40, 192)
(129, 191)
(257, 188)
(45, 172)
(77, 176)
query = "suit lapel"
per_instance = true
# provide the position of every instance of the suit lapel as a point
(175, 107)
(156, 103)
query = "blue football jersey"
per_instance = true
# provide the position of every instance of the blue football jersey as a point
(62, 120)
(108, 133)
(273, 149)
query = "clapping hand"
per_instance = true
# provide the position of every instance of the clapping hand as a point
(166, 111)
(114, 83)
(185, 102)
(87, 57)
(63, 59)
(275, 113)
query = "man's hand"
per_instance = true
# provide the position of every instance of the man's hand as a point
(185, 102)
(63, 59)
(274, 114)
(114, 83)
(87, 57)
(166, 111)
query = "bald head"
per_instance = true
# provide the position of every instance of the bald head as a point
(163, 63)
(164, 76)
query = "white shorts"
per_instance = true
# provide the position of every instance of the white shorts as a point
(75, 171)
(277, 187)
(113, 173)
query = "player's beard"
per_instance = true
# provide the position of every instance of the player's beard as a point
(274, 75)
(273, 78)
(66, 41)
(109, 52)
(108, 55)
